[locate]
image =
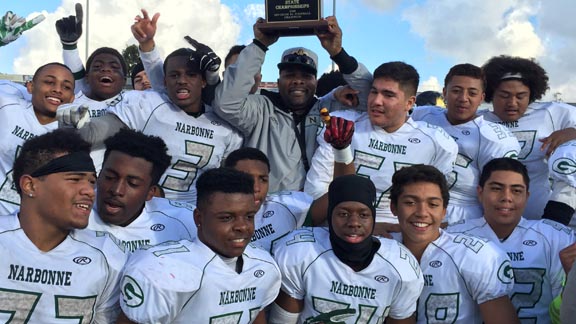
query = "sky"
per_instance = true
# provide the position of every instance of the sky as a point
(431, 35)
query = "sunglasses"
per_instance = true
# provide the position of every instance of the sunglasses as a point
(299, 58)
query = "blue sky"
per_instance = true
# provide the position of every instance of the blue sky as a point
(432, 35)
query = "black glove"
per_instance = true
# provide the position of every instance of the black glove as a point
(209, 61)
(70, 28)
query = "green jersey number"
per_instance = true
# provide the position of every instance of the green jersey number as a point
(21, 305)
(526, 139)
(442, 308)
(532, 278)
(202, 153)
(332, 311)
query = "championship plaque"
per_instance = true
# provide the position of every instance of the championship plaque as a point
(293, 17)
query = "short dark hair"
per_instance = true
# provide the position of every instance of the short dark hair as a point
(468, 70)
(246, 153)
(42, 149)
(139, 67)
(532, 75)
(137, 144)
(193, 60)
(107, 50)
(405, 74)
(234, 50)
(225, 180)
(504, 164)
(38, 70)
(418, 173)
(329, 81)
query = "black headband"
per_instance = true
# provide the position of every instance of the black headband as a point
(73, 162)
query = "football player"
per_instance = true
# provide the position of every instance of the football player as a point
(125, 206)
(378, 143)
(533, 246)
(513, 86)
(343, 274)
(466, 279)
(562, 168)
(479, 141)
(217, 277)
(278, 213)
(51, 268)
(21, 120)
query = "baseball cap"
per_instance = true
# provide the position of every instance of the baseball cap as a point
(299, 57)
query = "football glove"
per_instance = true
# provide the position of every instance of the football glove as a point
(339, 132)
(72, 115)
(70, 28)
(12, 26)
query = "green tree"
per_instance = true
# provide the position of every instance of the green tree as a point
(131, 56)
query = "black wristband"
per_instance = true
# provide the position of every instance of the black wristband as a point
(79, 75)
(260, 44)
(69, 47)
(558, 212)
(346, 63)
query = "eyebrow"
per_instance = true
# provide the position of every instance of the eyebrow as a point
(516, 185)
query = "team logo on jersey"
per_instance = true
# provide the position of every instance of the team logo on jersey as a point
(435, 264)
(381, 279)
(529, 242)
(82, 260)
(259, 273)
(466, 132)
(157, 227)
(216, 123)
(511, 154)
(132, 294)
(268, 214)
(414, 140)
(505, 272)
(564, 166)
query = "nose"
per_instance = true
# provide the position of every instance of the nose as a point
(118, 188)
(257, 186)
(353, 220)
(506, 195)
(243, 224)
(88, 190)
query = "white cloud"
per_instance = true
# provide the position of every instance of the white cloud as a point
(431, 84)
(474, 31)
(207, 21)
(381, 5)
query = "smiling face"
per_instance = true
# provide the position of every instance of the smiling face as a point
(52, 86)
(388, 104)
(124, 186)
(297, 87)
(226, 222)
(141, 81)
(183, 84)
(105, 77)
(503, 198)
(420, 210)
(511, 100)
(463, 96)
(352, 221)
(65, 199)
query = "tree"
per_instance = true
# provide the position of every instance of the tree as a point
(131, 56)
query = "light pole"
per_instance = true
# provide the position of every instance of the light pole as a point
(87, 27)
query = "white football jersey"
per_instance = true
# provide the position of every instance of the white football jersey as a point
(280, 213)
(378, 154)
(97, 109)
(539, 121)
(478, 142)
(152, 227)
(460, 272)
(562, 163)
(195, 143)
(18, 123)
(76, 282)
(311, 272)
(14, 89)
(186, 282)
(533, 249)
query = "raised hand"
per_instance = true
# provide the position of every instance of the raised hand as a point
(12, 26)
(70, 28)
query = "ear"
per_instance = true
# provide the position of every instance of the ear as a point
(479, 191)
(151, 192)
(444, 93)
(197, 217)
(410, 103)
(203, 83)
(26, 183)
(30, 86)
(393, 209)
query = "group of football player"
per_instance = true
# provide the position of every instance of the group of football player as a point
(200, 199)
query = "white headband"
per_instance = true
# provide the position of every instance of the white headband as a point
(511, 75)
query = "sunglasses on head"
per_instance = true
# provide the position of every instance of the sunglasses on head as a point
(299, 58)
